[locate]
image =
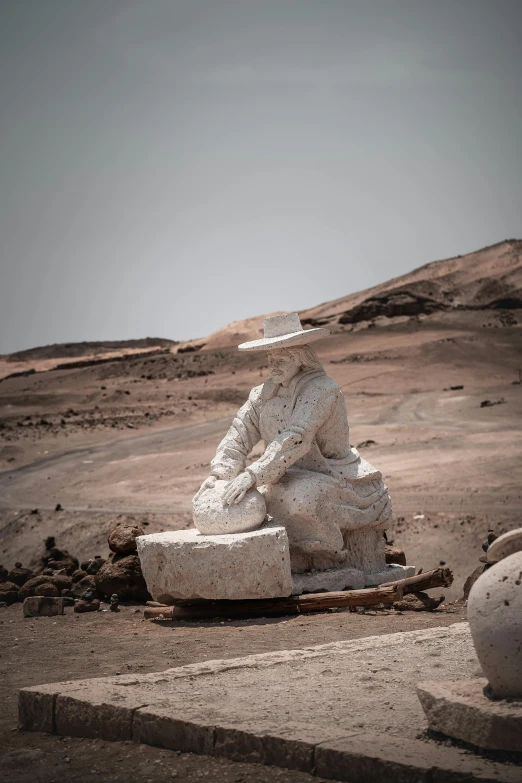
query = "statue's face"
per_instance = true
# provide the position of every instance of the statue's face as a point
(283, 365)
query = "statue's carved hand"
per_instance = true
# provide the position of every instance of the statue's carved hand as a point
(237, 488)
(207, 484)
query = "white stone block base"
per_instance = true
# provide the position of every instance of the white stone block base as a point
(185, 564)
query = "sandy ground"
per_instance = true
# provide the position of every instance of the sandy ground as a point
(135, 437)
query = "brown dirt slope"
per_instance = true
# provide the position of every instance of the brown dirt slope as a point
(487, 278)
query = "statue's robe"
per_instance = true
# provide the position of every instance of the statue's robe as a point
(314, 482)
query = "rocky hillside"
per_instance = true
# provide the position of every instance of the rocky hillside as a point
(487, 278)
(490, 278)
(75, 350)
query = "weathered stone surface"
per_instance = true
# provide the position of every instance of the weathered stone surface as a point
(307, 700)
(9, 592)
(60, 558)
(88, 714)
(20, 575)
(47, 588)
(122, 575)
(495, 618)
(87, 582)
(461, 710)
(36, 708)
(505, 545)
(80, 607)
(472, 578)
(42, 606)
(94, 565)
(374, 758)
(160, 726)
(30, 586)
(61, 581)
(122, 538)
(394, 555)
(250, 743)
(212, 516)
(418, 602)
(327, 581)
(187, 564)
(391, 573)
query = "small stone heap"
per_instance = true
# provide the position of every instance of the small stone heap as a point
(56, 574)
(52, 576)
(121, 573)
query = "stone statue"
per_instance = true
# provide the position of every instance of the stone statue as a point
(333, 504)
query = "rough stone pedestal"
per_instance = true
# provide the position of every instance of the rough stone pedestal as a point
(186, 564)
(461, 710)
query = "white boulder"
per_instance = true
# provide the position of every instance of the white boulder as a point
(213, 517)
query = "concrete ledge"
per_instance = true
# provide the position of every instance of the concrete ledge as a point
(460, 709)
(346, 710)
(371, 758)
(36, 708)
(251, 744)
(162, 727)
(92, 717)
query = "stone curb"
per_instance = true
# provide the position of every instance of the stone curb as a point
(116, 708)
(460, 709)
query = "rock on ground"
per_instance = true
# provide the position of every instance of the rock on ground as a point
(8, 592)
(122, 537)
(43, 606)
(122, 575)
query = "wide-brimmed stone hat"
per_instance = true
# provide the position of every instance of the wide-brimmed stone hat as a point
(282, 331)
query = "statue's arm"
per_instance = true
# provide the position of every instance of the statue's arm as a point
(312, 409)
(242, 436)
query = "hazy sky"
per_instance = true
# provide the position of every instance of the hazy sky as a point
(168, 166)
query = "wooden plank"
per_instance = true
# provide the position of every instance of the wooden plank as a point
(295, 604)
(439, 577)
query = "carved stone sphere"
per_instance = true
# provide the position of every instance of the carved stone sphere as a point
(213, 517)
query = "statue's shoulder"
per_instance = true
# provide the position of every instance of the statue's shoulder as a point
(256, 394)
(322, 381)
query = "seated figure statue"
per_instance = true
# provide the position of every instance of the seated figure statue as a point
(332, 502)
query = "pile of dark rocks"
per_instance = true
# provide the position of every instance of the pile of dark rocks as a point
(121, 573)
(59, 574)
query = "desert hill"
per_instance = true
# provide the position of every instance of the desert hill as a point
(76, 350)
(490, 278)
(487, 278)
